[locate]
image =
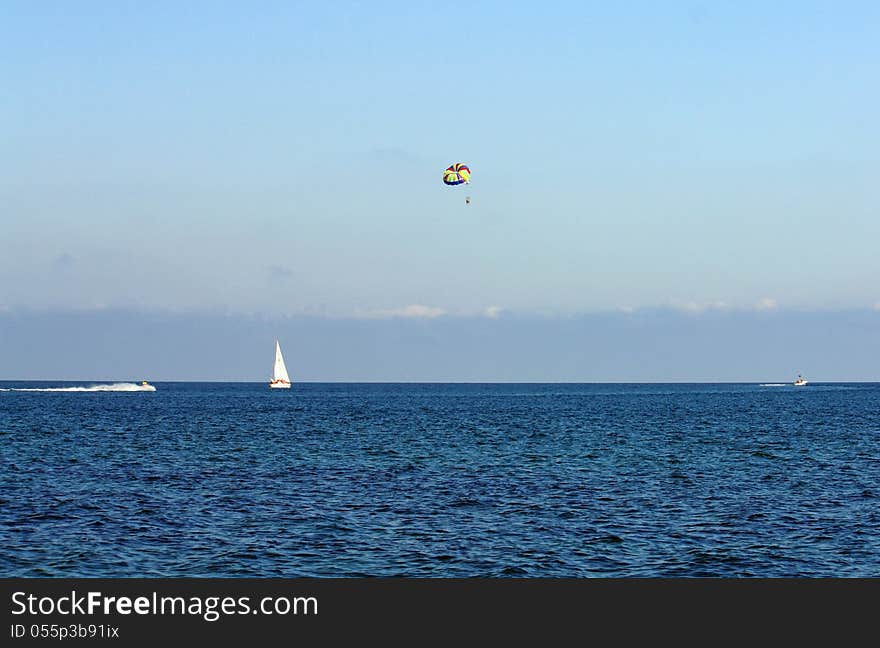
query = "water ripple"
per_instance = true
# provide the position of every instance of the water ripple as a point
(441, 480)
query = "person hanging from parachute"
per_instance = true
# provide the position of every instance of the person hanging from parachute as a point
(457, 174)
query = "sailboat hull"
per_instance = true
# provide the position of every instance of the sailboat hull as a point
(279, 385)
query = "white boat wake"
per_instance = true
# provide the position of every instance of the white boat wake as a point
(774, 384)
(115, 387)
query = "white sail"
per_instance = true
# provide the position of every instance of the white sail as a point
(280, 371)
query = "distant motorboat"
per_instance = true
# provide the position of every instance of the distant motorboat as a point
(280, 379)
(800, 382)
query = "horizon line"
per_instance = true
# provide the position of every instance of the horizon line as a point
(455, 382)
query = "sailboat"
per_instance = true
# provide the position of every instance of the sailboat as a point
(280, 379)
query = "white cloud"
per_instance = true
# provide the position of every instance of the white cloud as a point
(417, 310)
(692, 307)
(766, 304)
(493, 311)
(700, 307)
(414, 311)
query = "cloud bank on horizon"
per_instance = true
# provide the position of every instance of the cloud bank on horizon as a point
(652, 346)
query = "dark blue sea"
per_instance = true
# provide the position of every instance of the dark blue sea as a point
(441, 480)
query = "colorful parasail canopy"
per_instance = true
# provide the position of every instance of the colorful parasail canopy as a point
(456, 174)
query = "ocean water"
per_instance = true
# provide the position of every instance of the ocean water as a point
(441, 480)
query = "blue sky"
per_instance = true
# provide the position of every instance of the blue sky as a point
(284, 159)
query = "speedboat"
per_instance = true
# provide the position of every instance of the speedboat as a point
(800, 382)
